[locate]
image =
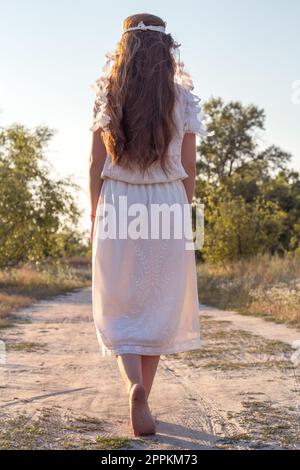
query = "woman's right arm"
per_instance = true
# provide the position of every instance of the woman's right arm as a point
(96, 163)
(188, 159)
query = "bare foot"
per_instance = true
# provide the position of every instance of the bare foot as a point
(141, 419)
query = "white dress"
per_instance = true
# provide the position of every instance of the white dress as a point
(144, 290)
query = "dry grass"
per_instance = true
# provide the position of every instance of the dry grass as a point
(265, 424)
(20, 287)
(264, 286)
(228, 349)
(57, 430)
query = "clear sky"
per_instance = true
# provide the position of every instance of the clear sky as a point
(51, 53)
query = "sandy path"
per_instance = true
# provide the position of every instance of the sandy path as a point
(239, 391)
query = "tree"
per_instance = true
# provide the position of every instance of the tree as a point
(35, 208)
(235, 229)
(233, 147)
(251, 198)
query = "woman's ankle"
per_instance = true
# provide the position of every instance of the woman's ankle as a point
(132, 384)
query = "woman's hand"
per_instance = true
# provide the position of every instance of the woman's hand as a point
(188, 159)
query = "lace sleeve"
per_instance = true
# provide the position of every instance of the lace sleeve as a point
(194, 117)
(101, 118)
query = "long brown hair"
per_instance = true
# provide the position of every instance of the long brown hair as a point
(141, 96)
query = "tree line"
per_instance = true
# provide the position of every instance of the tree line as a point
(38, 212)
(251, 195)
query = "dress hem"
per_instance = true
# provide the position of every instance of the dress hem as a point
(150, 351)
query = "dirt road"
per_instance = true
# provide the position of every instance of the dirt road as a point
(239, 391)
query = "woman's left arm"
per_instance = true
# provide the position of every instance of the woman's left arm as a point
(96, 163)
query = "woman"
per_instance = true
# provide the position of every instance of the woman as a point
(145, 299)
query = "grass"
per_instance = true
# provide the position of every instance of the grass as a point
(265, 286)
(21, 286)
(229, 366)
(270, 423)
(228, 349)
(25, 347)
(111, 443)
(85, 424)
(55, 430)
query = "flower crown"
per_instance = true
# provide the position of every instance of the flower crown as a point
(144, 27)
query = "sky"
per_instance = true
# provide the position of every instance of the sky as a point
(52, 52)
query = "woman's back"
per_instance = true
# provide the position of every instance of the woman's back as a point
(145, 299)
(188, 119)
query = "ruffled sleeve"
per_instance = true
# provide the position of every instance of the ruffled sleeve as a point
(101, 118)
(194, 117)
